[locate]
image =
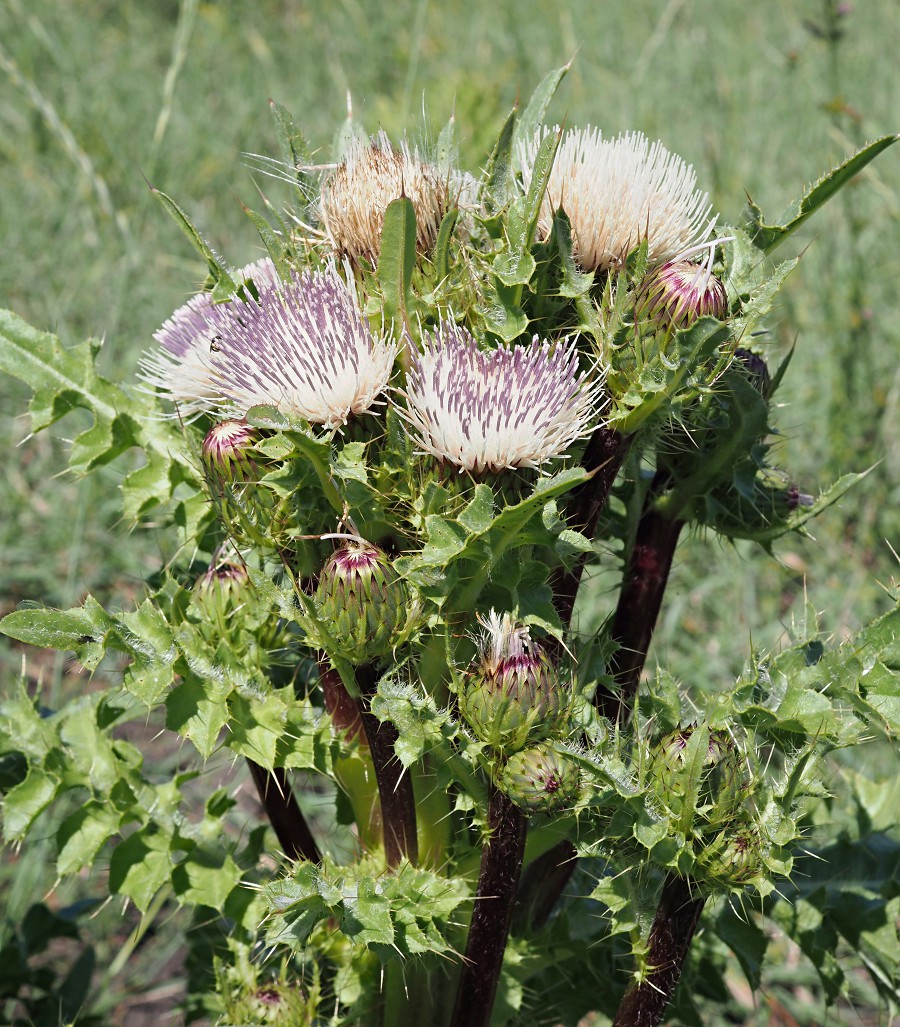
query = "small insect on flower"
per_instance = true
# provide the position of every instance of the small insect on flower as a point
(372, 176)
(302, 346)
(515, 406)
(618, 193)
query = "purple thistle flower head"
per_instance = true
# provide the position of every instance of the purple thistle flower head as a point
(180, 368)
(303, 346)
(516, 406)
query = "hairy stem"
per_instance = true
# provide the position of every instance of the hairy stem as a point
(677, 915)
(606, 450)
(284, 814)
(640, 599)
(395, 787)
(501, 865)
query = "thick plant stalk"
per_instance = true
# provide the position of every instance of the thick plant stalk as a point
(640, 600)
(677, 915)
(284, 814)
(638, 608)
(605, 452)
(501, 865)
(353, 771)
(395, 787)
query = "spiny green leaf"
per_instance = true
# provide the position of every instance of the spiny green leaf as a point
(198, 710)
(223, 283)
(85, 631)
(83, 833)
(396, 262)
(65, 378)
(532, 117)
(24, 803)
(202, 879)
(140, 865)
(498, 186)
(767, 237)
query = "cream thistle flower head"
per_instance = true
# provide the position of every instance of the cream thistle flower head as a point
(355, 198)
(180, 368)
(516, 406)
(619, 192)
(303, 347)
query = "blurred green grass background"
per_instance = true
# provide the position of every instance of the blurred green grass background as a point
(98, 96)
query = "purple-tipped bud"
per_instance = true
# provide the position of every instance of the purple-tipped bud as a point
(540, 780)
(733, 858)
(513, 694)
(679, 292)
(756, 370)
(362, 601)
(221, 590)
(226, 454)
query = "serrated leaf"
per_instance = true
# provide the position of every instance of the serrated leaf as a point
(223, 284)
(24, 803)
(272, 241)
(85, 631)
(532, 117)
(202, 879)
(767, 237)
(498, 186)
(198, 710)
(140, 865)
(505, 531)
(63, 378)
(479, 513)
(83, 833)
(295, 152)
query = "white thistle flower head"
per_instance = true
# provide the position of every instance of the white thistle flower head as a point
(303, 346)
(516, 406)
(503, 639)
(619, 192)
(180, 368)
(355, 198)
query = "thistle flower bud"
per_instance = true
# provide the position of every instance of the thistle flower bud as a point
(756, 370)
(540, 780)
(226, 454)
(733, 858)
(362, 601)
(221, 590)
(513, 695)
(679, 292)
(724, 778)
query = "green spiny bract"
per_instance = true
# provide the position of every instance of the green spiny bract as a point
(362, 601)
(701, 776)
(513, 695)
(540, 779)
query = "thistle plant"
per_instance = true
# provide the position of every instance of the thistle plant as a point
(402, 443)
